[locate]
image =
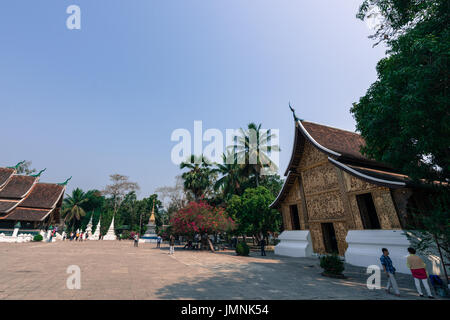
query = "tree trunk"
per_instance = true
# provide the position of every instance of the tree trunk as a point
(210, 244)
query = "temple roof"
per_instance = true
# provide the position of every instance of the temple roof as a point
(343, 150)
(22, 197)
(340, 141)
(43, 195)
(17, 187)
(29, 214)
(5, 175)
(6, 206)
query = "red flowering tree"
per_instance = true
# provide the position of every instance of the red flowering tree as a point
(201, 218)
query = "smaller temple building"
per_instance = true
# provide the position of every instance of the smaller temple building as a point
(27, 206)
(334, 199)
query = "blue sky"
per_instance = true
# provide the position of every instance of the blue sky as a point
(105, 99)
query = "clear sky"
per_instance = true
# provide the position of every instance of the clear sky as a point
(105, 99)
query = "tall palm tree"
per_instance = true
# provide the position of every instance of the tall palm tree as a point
(252, 150)
(231, 176)
(198, 178)
(72, 207)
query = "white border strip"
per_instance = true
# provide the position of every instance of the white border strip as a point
(362, 175)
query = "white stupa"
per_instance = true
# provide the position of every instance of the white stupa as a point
(110, 235)
(88, 230)
(96, 234)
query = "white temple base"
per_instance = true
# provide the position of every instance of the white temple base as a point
(294, 243)
(150, 239)
(364, 249)
(109, 237)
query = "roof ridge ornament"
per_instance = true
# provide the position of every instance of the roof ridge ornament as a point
(38, 174)
(293, 113)
(65, 182)
(17, 165)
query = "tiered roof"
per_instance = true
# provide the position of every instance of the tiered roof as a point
(24, 198)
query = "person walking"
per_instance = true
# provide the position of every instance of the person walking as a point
(263, 244)
(136, 240)
(172, 244)
(388, 267)
(158, 242)
(418, 271)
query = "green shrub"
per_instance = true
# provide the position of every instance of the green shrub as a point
(38, 237)
(125, 235)
(332, 264)
(242, 249)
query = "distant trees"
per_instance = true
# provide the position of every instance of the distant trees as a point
(198, 178)
(118, 200)
(73, 210)
(119, 187)
(174, 196)
(24, 167)
(244, 185)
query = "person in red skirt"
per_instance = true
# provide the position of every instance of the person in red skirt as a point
(419, 272)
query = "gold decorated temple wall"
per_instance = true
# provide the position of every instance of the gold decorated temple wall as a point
(324, 195)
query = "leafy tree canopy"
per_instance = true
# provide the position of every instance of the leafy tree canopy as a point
(404, 116)
(252, 213)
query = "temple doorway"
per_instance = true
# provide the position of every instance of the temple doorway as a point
(294, 217)
(329, 238)
(368, 212)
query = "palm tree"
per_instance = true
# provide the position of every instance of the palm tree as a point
(252, 149)
(231, 179)
(198, 179)
(72, 207)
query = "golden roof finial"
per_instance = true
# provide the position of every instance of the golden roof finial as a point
(152, 216)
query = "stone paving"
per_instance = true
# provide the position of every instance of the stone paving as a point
(117, 270)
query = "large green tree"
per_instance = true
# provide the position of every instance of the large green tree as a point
(252, 213)
(252, 150)
(404, 117)
(72, 209)
(198, 178)
(230, 179)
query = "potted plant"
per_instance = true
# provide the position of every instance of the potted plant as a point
(242, 249)
(332, 266)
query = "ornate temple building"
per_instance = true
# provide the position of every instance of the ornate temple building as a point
(334, 199)
(27, 202)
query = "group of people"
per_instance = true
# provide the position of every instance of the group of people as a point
(158, 241)
(418, 271)
(77, 236)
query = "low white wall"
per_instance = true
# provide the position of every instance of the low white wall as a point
(19, 238)
(364, 249)
(294, 243)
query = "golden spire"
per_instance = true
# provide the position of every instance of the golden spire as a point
(152, 216)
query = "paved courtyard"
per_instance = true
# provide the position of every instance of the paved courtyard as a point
(117, 270)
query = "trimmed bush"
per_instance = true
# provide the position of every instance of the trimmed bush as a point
(125, 235)
(242, 249)
(38, 237)
(332, 264)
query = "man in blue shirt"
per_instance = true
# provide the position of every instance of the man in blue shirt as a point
(386, 262)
